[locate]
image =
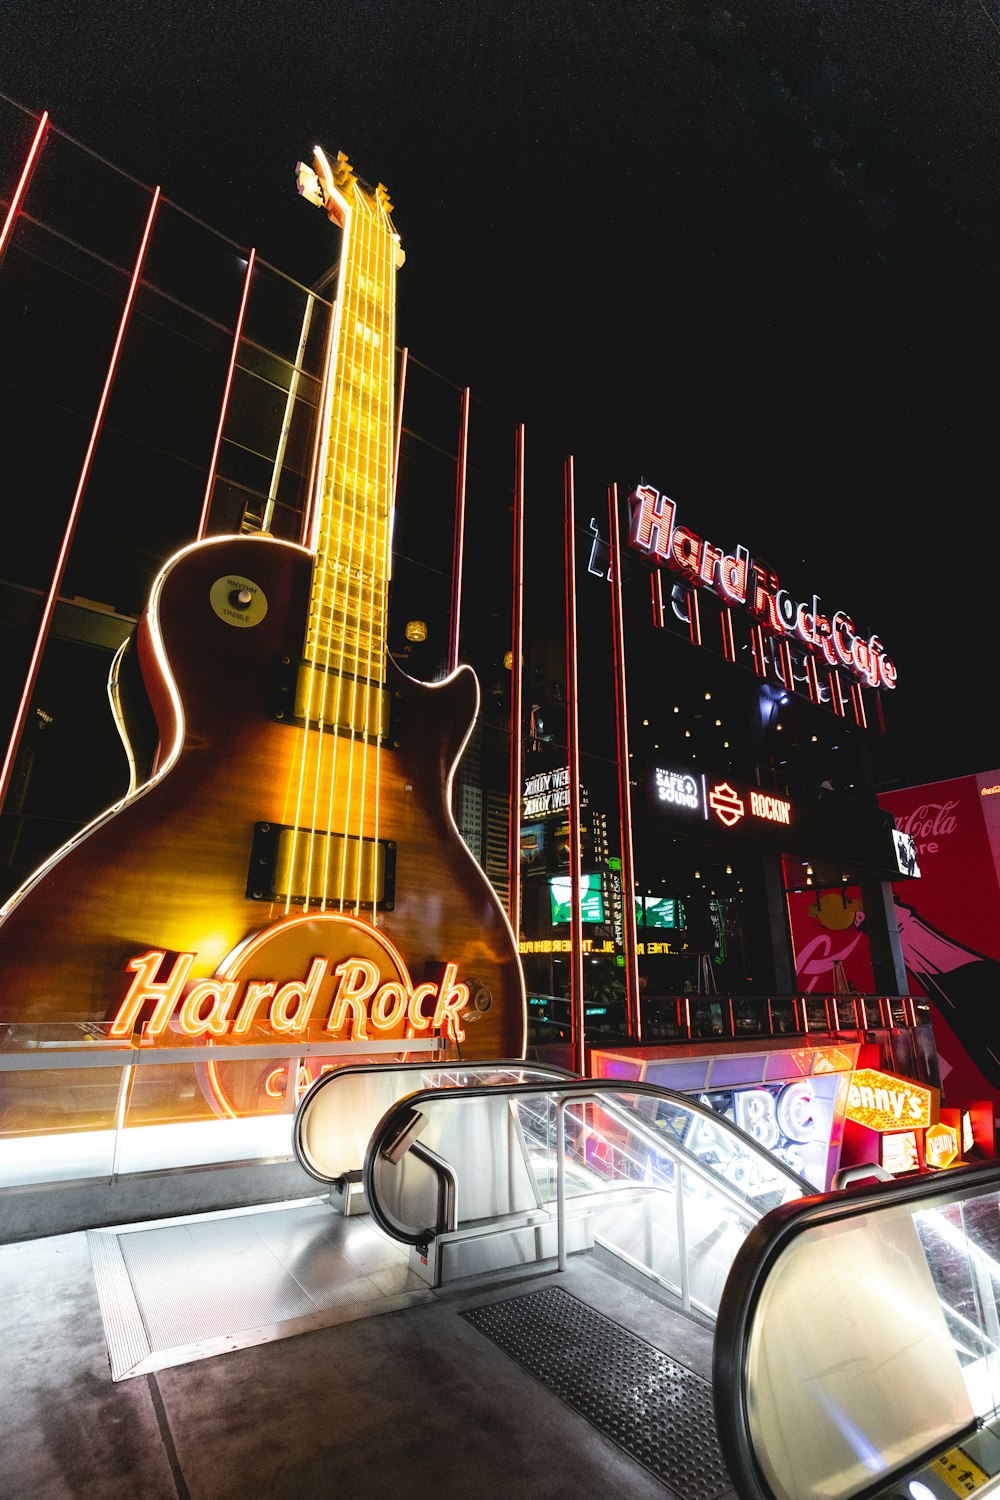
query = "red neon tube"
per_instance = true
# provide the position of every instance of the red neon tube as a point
(516, 689)
(60, 568)
(457, 554)
(573, 755)
(633, 1012)
(23, 181)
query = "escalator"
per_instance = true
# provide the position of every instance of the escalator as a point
(853, 1336)
(481, 1178)
(857, 1349)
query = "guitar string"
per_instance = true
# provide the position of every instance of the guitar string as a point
(324, 480)
(366, 385)
(335, 636)
(355, 561)
(317, 477)
(387, 321)
(353, 569)
(377, 460)
(363, 504)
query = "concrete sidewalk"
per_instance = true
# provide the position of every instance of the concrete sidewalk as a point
(400, 1396)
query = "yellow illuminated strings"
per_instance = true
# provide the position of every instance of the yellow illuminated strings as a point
(350, 539)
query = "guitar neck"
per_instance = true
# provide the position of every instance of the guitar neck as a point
(346, 632)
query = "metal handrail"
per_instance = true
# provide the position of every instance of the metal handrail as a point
(383, 1071)
(572, 1091)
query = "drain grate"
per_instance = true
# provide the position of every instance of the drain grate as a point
(654, 1409)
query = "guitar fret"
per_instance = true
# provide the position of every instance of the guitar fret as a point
(348, 607)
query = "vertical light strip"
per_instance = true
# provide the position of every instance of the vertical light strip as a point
(858, 702)
(837, 693)
(57, 577)
(205, 504)
(341, 482)
(317, 460)
(385, 560)
(812, 678)
(376, 487)
(19, 191)
(656, 597)
(728, 641)
(516, 689)
(378, 501)
(573, 754)
(759, 652)
(459, 547)
(286, 421)
(694, 617)
(404, 362)
(318, 535)
(361, 378)
(633, 1011)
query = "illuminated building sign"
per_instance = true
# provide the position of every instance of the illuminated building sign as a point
(941, 1145)
(738, 580)
(779, 818)
(545, 793)
(795, 1122)
(718, 800)
(881, 1102)
(563, 945)
(363, 996)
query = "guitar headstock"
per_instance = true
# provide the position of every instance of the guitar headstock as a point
(331, 185)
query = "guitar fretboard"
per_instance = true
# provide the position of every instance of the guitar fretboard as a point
(346, 633)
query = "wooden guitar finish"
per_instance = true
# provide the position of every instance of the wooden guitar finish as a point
(169, 868)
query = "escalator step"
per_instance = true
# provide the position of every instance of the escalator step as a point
(653, 1408)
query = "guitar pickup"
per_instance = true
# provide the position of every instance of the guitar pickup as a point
(306, 694)
(311, 867)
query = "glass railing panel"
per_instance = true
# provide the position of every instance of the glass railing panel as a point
(961, 1242)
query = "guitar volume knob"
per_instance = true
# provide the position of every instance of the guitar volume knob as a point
(238, 601)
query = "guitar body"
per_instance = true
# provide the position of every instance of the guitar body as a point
(169, 869)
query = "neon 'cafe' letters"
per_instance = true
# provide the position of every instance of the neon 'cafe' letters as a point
(737, 579)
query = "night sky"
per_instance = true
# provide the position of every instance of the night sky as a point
(748, 253)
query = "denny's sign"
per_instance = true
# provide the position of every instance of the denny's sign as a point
(280, 983)
(884, 1102)
(737, 579)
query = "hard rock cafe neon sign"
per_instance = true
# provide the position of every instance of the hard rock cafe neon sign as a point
(738, 579)
(365, 995)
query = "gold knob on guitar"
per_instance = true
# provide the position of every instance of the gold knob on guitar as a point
(238, 601)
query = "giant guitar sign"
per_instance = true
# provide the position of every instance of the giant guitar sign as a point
(292, 873)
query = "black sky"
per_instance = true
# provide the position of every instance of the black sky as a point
(746, 251)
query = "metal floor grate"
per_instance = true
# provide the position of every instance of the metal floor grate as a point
(654, 1409)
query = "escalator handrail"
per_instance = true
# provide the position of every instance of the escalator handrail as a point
(427, 1065)
(587, 1090)
(756, 1258)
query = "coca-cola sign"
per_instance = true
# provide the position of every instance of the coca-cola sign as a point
(929, 822)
